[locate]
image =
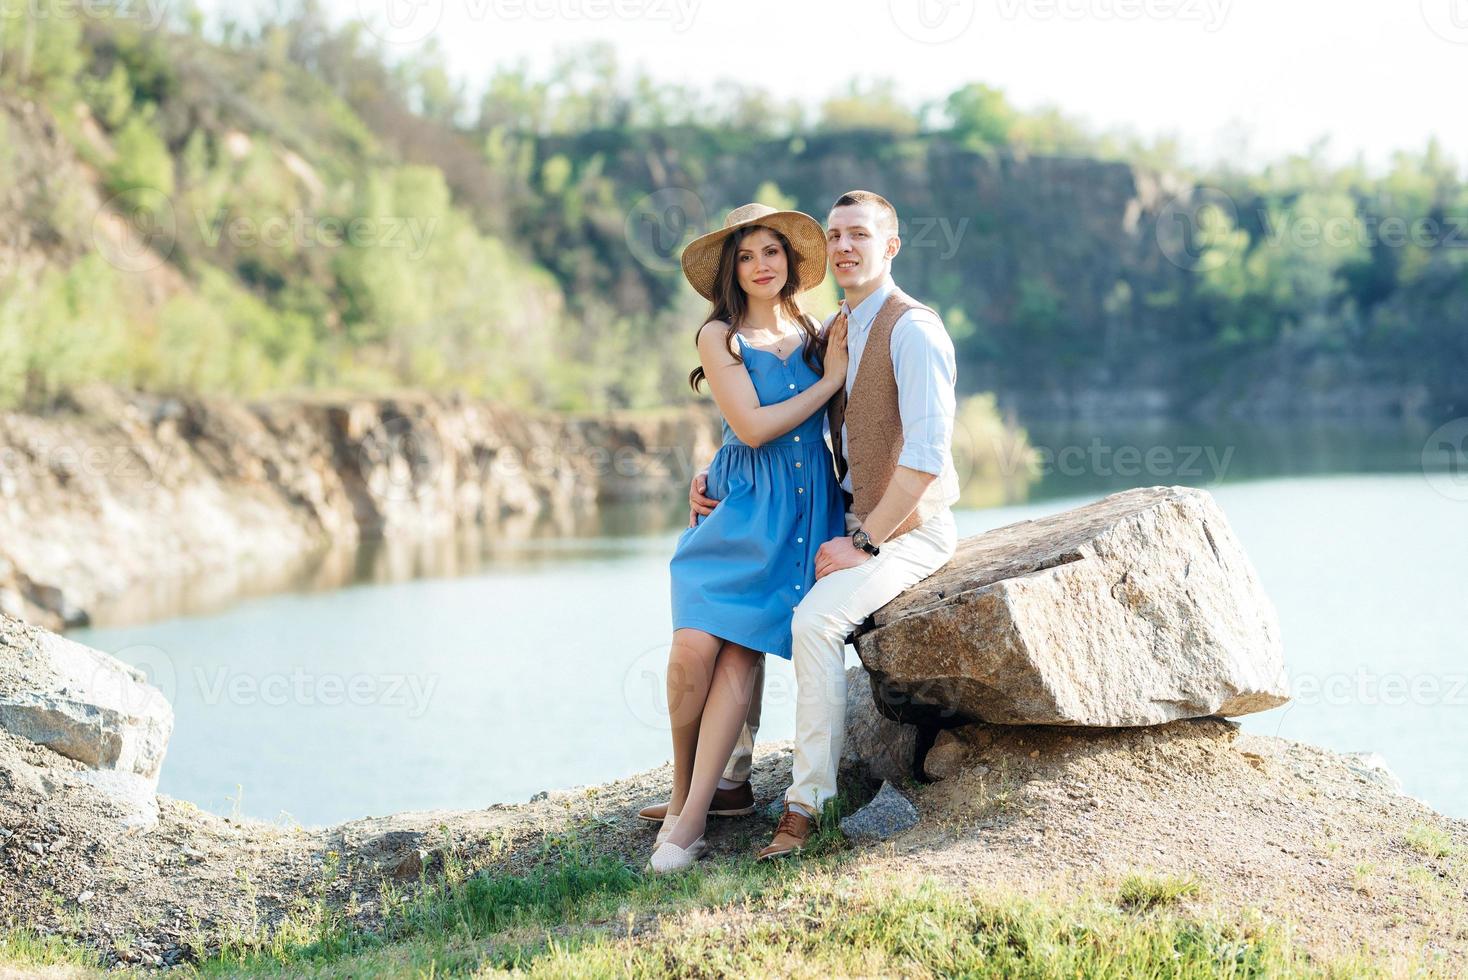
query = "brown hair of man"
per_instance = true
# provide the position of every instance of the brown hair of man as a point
(886, 213)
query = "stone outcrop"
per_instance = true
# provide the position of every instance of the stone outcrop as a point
(1137, 609)
(876, 748)
(112, 491)
(89, 707)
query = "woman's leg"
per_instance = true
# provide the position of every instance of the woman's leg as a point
(690, 667)
(724, 711)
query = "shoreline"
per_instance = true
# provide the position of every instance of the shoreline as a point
(118, 505)
(120, 490)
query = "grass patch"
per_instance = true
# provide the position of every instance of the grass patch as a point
(824, 927)
(571, 916)
(564, 887)
(1428, 841)
(22, 948)
(1138, 893)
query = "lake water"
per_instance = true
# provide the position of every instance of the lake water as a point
(541, 668)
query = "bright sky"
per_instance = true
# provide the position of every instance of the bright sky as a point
(1246, 80)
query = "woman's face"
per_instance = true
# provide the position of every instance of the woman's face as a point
(761, 265)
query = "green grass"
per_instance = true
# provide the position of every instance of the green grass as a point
(572, 917)
(823, 926)
(1141, 892)
(1429, 841)
(564, 887)
(20, 949)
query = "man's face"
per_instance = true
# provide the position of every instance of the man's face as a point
(860, 252)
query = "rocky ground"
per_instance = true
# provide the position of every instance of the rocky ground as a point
(1293, 831)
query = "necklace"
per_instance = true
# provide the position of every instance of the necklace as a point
(779, 348)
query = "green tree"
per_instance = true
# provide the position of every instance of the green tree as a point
(980, 116)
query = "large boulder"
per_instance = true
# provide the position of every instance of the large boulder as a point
(90, 707)
(1137, 609)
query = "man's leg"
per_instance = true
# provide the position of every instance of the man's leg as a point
(835, 606)
(742, 761)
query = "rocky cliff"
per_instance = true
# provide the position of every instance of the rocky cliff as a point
(113, 491)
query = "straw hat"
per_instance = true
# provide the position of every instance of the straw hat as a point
(701, 257)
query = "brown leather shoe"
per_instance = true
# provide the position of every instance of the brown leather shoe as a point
(791, 833)
(736, 802)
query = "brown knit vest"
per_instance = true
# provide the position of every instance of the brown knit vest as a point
(875, 426)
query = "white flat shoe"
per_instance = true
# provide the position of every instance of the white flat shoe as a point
(670, 858)
(665, 829)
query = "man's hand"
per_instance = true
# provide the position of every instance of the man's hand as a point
(836, 554)
(698, 503)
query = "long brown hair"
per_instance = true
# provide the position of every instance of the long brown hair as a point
(731, 304)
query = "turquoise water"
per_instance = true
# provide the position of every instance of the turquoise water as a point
(541, 669)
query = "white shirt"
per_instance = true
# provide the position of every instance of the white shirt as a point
(924, 364)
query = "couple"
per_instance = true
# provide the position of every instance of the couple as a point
(791, 546)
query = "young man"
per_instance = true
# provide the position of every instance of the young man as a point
(891, 432)
(892, 437)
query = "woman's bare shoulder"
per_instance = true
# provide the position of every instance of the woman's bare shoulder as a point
(715, 338)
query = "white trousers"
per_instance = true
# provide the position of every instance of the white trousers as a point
(830, 612)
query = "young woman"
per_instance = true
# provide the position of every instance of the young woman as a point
(738, 573)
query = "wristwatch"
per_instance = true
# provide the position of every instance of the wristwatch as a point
(863, 541)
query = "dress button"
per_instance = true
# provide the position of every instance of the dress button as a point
(792, 386)
(800, 489)
(797, 464)
(800, 540)
(797, 438)
(797, 588)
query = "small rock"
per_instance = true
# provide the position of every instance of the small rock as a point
(542, 795)
(84, 898)
(192, 853)
(946, 757)
(888, 814)
(411, 865)
(59, 843)
(35, 847)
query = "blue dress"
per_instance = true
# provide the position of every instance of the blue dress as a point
(739, 572)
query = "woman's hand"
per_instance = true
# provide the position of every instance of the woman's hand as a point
(836, 356)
